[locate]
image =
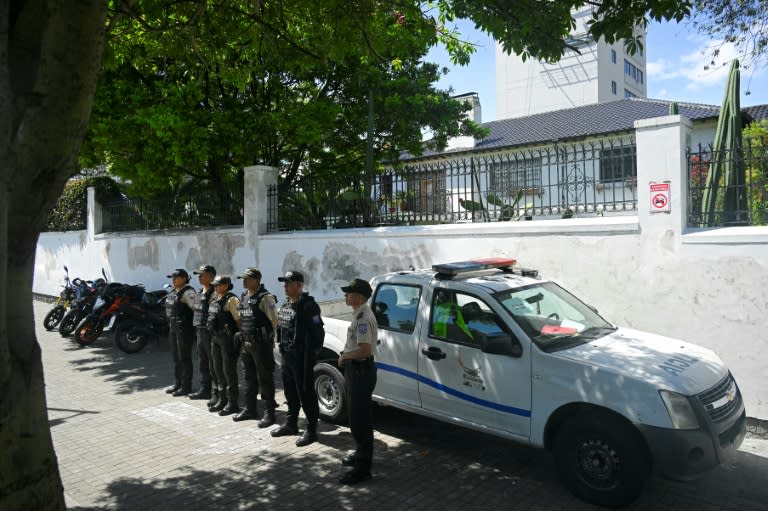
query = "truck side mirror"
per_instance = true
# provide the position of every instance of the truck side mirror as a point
(501, 344)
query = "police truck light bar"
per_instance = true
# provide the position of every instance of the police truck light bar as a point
(473, 265)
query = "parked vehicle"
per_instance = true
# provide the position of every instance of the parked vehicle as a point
(490, 346)
(85, 297)
(62, 303)
(137, 323)
(105, 311)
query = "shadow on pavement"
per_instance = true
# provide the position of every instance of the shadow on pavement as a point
(147, 370)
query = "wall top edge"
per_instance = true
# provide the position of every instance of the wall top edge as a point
(599, 225)
(728, 235)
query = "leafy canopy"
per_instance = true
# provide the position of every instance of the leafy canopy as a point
(192, 91)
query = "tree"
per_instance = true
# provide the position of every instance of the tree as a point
(50, 55)
(743, 23)
(247, 85)
(49, 61)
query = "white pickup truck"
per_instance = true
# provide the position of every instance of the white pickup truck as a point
(492, 347)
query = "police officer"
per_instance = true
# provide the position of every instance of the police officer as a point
(208, 384)
(359, 369)
(181, 334)
(258, 319)
(300, 334)
(223, 315)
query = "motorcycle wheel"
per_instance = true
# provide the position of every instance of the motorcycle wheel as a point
(69, 323)
(130, 337)
(88, 332)
(53, 318)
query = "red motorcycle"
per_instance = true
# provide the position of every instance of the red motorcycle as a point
(105, 311)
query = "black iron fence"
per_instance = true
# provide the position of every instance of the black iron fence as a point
(191, 210)
(728, 187)
(562, 180)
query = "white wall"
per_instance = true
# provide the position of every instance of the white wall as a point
(646, 271)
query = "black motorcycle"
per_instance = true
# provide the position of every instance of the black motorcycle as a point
(82, 305)
(62, 303)
(105, 309)
(137, 323)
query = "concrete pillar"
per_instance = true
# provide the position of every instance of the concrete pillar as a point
(662, 144)
(256, 182)
(94, 221)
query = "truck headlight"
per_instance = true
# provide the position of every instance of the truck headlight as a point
(679, 409)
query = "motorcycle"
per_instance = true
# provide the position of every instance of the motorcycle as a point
(82, 305)
(105, 311)
(62, 303)
(137, 323)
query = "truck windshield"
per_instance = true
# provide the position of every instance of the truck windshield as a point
(552, 317)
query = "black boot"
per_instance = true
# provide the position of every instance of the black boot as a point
(203, 393)
(183, 391)
(229, 409)
(268, 419)
(309, 436)
(248, 413)
(214, 397)
(289, 428)
(219, 406)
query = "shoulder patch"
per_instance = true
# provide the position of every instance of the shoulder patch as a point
(362, 328)
(316, 320)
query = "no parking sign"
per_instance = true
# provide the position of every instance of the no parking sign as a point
(660, 197)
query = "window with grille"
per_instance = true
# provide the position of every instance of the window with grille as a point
(506, 177)
(617, 164)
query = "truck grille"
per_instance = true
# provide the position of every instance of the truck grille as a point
(721, 400)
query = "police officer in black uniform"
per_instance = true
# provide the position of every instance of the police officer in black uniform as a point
(300, 334)
(258, 319)
(360, 373)
(223, 316)
(208, 384)
(181, 333)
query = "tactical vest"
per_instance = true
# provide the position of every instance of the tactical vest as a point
(175, 309)
(252, 318)
(218, 318)
(286, 325)
(202, 302)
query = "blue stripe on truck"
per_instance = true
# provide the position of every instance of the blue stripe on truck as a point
(453, 392)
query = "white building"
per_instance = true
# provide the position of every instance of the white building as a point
(599, 73)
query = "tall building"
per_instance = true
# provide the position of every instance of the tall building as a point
(600, 72)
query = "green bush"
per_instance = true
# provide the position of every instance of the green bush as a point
(71, 210)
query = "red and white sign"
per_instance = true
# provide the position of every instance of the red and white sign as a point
(660, 198)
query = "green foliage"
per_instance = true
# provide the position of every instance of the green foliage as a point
(756, 159)
(71, 210)
(192, 91)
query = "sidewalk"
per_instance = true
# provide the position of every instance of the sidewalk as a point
(122, 443)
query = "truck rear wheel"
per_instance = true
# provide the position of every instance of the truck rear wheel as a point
(331, 390)
(602, 459)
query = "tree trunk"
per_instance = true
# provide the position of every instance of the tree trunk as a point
(50, 52)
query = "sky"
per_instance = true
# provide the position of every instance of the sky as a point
(675, 60)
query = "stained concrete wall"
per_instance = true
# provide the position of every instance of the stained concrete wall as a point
(647, 271)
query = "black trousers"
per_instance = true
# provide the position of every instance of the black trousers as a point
(207, 377)
(182, 341)
(224, 359)
(361, 380)
(299, 387)
(259, 365)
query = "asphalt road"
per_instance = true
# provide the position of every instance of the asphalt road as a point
(122, 443)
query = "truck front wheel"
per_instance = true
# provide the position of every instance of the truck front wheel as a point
(331, 391)
(602, 459)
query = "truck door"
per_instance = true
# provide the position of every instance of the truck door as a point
(471, 367)
(395, 307)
